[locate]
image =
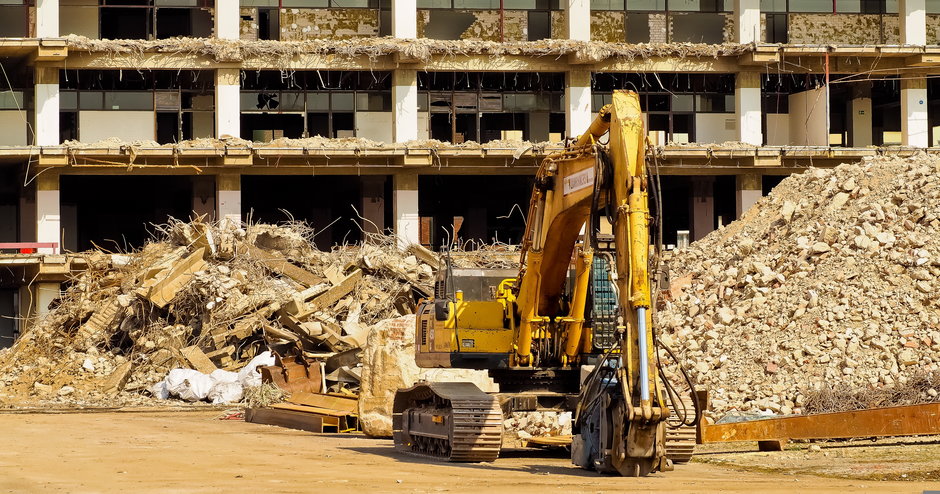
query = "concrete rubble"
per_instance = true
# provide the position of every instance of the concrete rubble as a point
(824, 296)
(209, 297)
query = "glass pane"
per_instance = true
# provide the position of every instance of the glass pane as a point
(373, 102)
(434, 4)
(519, 4)
(258, 3)
(476, 4)
(848, 6)
(646, 4)
(13, 100)
(891, 6)
(422, 101)
(698, 28)
(91, 100)
(686, 5)
(773, 5)
(729, 103)
(68, 100)
(353, 4)
(607, 4)
(933, 6)
(198, 101)
(309, 4)
(343, 102)
(176, 3)
(128, 100)
(291, 101)
(249, 100)
(683, 102)
(318, 101)
(810, 6)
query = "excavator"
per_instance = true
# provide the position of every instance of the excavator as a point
(554, 338)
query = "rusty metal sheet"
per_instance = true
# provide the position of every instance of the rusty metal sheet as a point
(877, 422)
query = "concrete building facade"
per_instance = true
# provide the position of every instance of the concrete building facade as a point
(409, 115)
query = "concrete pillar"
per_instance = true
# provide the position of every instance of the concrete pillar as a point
(749, 189)
(914, 124)
(405, 198)
(703, 206)
(405, 98)
(860, 125)
(913, 17)
(373, 203)
(405, 19)
(48, 215)
(227, 19)
(578, 15)
(228, 190)
(578, 114)
(46, 95)
(747, 109)
(747, 21)
(227, 102)
(47, 18)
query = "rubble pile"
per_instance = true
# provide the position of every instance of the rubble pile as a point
(209, 297)
(525, 425)
(832, 279)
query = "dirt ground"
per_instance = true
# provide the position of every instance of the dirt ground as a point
(195, 452)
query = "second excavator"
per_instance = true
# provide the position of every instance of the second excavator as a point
(554, 338)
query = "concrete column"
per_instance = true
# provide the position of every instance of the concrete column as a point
(703, 206)
(578, 114)
(749, 189)
(578, 16)
(914, 124)
(227, 102)
(404, 19)
(46, 95)
(913, 17)
(747, 21)
(405, 198)
(228, 191)
(48, 215)
(373, 203)
(43, 294)
(405, 97)
(227, 19)
(747, 108)
(860, 130)
(47, 18)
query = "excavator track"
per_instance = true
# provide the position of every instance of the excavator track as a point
(680, 439)
(447, 422)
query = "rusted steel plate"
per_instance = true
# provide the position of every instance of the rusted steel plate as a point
(877, 422)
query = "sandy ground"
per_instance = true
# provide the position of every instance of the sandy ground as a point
(193, 452)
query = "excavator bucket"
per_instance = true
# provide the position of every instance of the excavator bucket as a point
(294, 374)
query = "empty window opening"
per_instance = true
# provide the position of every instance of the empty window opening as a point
(329, 204)
(154, 19)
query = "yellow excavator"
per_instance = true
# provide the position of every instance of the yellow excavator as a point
(553, 339)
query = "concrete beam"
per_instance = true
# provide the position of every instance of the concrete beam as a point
(914, 123)
(404, 19)
(748, 190)
(405, 99)
(227, 102)
(47, 18)
(407, 219)
(747, 21)
(578, 114)
(228, 189)
(46, 95)
(913, 18)
(227, 19)
(747, 108)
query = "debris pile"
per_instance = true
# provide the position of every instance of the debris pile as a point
(831, 279)
(525, 425)
(211, 297)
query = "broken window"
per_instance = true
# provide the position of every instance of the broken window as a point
(154, 19)
(294, 20)
(672, 21)
(162, 105)
(14, 19)
(679, 108)
(491, 20)
(316, 103)
(778, 19)
(490, 106)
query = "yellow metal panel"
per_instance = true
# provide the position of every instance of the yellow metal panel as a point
(480, 315)
(485, 340)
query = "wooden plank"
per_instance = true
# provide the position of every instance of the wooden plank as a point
(331, 296)
(285, 418)
(280, 265)
(165, 289)
(198, 359)
(330, 402)
(326, 412)
(877, 422)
